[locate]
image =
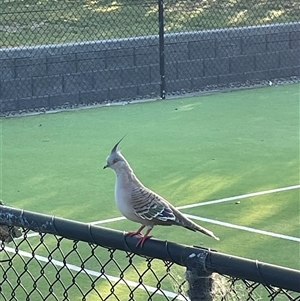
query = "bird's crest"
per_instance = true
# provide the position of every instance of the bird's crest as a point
(115, 148)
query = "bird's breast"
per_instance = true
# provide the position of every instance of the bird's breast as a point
(123, 198)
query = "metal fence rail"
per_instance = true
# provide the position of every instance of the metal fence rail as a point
(69, 260)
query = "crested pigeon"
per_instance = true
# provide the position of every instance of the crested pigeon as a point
(139, 204)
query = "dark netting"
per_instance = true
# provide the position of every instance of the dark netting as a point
(33, 22)
(48, 267)
(230, 44)
(65, 54)
(39, 266)
(72, 53)
(190, 15)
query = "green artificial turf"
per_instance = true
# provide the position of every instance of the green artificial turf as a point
(189, 150)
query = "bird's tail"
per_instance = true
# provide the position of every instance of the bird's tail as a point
(206, 232)
(189, 224)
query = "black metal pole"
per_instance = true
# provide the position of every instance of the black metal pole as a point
(199, 278)
(161, 49)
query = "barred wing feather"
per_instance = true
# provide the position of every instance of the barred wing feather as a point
(150, 206)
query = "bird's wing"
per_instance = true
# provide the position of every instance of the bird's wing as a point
(148, 205)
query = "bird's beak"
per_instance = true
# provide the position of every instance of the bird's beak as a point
(105, 166)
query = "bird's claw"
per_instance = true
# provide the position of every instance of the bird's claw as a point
(133, 233)
(142, 240)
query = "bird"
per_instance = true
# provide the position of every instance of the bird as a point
(139, 204)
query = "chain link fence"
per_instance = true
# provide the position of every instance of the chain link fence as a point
(47, 267)
(231, 44)
(64, 54)
(67, 260)
(33, 22)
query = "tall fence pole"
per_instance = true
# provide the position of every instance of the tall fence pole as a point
(161, 49)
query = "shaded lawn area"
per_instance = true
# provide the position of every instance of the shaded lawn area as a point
(35, 22)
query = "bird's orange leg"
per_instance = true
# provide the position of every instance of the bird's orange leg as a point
(138, 232)
(144, 238)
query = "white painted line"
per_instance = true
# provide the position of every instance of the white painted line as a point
(232, 198)
(212, 221)
(239, 197)
(30, 235)
(109, 220)
(72, 267)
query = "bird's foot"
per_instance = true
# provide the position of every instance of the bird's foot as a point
(138, 232)
(133, 233)
(142, 240)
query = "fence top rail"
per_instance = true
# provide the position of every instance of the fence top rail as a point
(213, 261)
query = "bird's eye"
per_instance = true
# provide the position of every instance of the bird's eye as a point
(115, 160)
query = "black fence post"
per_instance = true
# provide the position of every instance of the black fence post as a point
(199, 279)
(161, 49)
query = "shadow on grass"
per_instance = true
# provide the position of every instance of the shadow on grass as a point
(48, 22)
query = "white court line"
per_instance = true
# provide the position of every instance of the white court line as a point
(29, 235)
(239, 197)
(233, 198)
(109, 220)
(212, 221)
(75, 268)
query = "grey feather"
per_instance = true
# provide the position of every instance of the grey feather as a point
(149, 205)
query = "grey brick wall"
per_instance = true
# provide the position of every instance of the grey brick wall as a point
(51, 76)
(231, 56)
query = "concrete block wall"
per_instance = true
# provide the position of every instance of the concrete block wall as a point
(231, 56)
(51, 76)
(55, 75)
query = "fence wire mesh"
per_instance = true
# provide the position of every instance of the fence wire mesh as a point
(39, 266)
(188, 15)
(230, 55)
(47, 267)
(50, 22)
(34, 22)
(65, 54)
